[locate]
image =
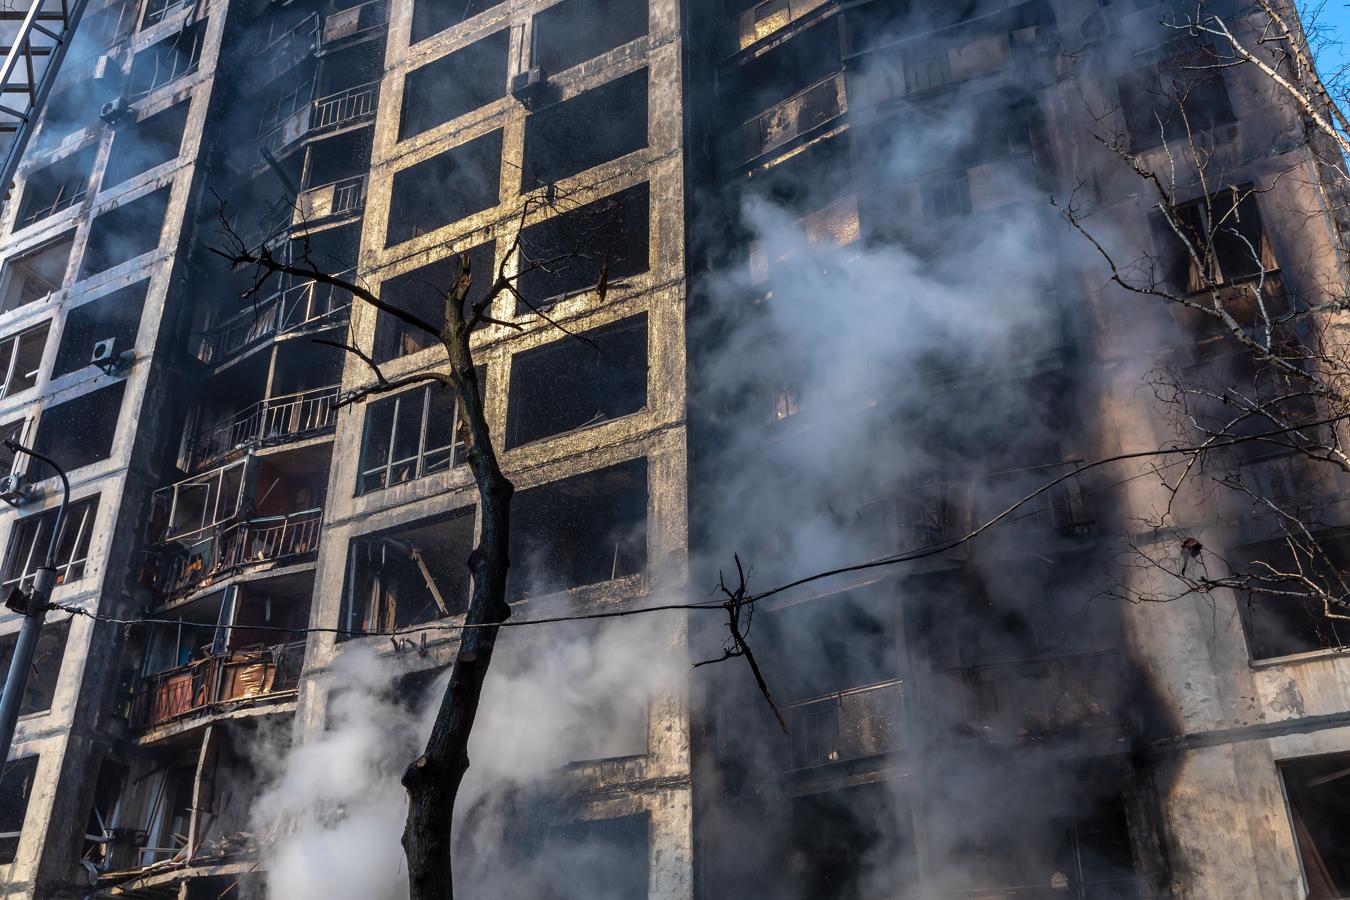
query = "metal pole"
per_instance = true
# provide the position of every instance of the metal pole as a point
(34, 615)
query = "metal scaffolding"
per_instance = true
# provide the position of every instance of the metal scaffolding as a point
(35, 41)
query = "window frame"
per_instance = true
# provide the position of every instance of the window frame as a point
(30, 530)
(456, 450)
(7, 388)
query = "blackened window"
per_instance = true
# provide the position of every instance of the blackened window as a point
(577, 30)
(609, 235)
(408, 575)
(618, 847)
(1183, 95)
(409, 435)
(116, 315)
(422, 293)
(17, 778)
(579, 530)
(453, 85)
(601, 124)
(125, 233)
(41, 685)
(1319, 804)
(140, 146)
(80, 431)
(28, 545)
(446, 188)
(434, 16)
(12, 431)
(576, 382)
(157, 11)
(1284, 615)
(1226, 233)
(166, 61)
(37, 274)
(58, 187)
(20, 358)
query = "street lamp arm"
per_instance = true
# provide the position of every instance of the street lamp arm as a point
(14, 446)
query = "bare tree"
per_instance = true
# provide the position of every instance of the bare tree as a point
(1272, 360)
(433, 779)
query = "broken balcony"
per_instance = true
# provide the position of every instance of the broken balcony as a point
(342, 109)
(1034, 699)
(769, 17)
(353, 24)
(296, 304)
(205, 685)
(271, 422)
(846, 725)
(789, 120)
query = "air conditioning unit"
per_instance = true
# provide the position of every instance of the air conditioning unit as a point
(109, 358)
(115, 109)
(530, 87)
(15, 489)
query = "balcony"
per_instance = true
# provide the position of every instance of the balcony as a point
(284, 50)
(770, 17)
(822, 102)
(330, 201)
(353, 24)
(178, 568)
(296, 306)
(326, 114)
(848, 725)
(201, 686)
(277, 420)
(1033, 699)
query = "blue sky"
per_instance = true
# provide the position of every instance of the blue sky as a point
(1335, 15)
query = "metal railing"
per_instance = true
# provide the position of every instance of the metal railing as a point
(344, 107)
(276, 420)
(851, 724)
(178, 569)
(1033, 698)
(818, 104)
(201, 685)
(337, 198)
(291, 308)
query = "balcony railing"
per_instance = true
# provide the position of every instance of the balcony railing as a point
(1033, 698)
(277, 420)
(347, 107)
(180, 568)
(790, 119)
(339, 198)
(291, 308)
(847, 725)
(199, 686)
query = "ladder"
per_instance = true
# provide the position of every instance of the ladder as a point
(35, 41)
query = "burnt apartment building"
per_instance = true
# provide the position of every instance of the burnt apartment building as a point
(838, 321)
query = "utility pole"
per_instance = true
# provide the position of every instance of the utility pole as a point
(34, 606)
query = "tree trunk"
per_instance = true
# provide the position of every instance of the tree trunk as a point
(433, 780)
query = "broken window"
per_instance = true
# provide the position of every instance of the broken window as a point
(195, 504)
(446, 188)
(591, 128)
(1318, 791)
(41, 686)
(157, 11)
(115, 316)
(610, 234)
(17, 780)
(840, 839)
(579, 530)
(98, 830)
(577, 30)
(13, 431)
(30, 535)
(20, 358)
(80, 431)
(619, 847)
(166, 61)
(1285, 615)
(58, 187)
(455, 84)
(1226, 233)
(408, 575)
(168, 816)
(422, 293)
(1180, 96)
(124, 233)
(570, 383)
(141, 146)
(409, 435)
(100, 30)
(434, 16)
(37, 274)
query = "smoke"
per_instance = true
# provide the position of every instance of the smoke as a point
(332, 814)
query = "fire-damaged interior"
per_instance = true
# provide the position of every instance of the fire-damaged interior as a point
(777, 292)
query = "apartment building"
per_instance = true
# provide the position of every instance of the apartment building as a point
(980, 723)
